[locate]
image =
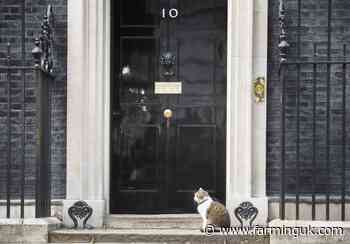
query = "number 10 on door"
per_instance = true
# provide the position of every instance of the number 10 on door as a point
(172, 13)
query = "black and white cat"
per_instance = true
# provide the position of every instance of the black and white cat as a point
(212, 212)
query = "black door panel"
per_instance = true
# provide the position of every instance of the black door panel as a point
(156, 162)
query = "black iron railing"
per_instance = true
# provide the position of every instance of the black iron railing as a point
(314, 117)
(41, 73)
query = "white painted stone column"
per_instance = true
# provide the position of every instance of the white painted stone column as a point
(246, 120)
(87, 105)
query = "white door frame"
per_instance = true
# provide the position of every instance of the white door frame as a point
(88, 106)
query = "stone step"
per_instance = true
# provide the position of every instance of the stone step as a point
(164, 221)
(155, 236)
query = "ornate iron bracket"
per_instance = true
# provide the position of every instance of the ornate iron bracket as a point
(167, 60)
(43, 50)
(80, 211)
(259, 89)
(246, 212)
(283, 44)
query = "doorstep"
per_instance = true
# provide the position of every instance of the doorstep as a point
(194, 236)
(162, 221)
(173, 236)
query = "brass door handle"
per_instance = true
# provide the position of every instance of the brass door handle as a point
(168, 114)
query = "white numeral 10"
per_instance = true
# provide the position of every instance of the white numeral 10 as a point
(172, 13)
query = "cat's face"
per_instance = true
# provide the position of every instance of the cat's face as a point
(200, 195)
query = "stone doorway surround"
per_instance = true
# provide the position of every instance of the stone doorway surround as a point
(88, 106)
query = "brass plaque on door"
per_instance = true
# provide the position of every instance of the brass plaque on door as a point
(167, 87)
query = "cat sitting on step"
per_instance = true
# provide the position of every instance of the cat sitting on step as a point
(212, 212)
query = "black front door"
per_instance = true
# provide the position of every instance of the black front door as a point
(168, 135)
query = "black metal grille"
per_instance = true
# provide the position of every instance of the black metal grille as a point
(24, 130)
(314, 112)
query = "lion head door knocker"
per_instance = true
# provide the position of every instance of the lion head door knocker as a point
(80, 211)
(246, 213)
(167, 60)
(259, 89)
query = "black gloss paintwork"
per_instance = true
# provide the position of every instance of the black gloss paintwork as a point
(155, 166)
